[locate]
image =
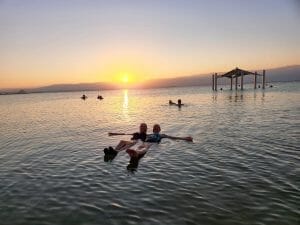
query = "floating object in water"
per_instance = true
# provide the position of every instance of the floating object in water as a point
(83, 97)
(100, 97)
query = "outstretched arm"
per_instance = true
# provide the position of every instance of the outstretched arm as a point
(179, 138)
(115, 134)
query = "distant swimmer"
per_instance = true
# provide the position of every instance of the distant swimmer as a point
(179, 104)
(100, 97)
(83, 97)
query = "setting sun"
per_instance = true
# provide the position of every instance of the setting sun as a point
(125, 78)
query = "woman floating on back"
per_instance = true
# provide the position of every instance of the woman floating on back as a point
(155, 137)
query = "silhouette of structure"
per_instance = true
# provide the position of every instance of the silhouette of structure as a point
(236, 74)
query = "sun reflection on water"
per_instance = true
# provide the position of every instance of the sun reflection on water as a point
(125, 104)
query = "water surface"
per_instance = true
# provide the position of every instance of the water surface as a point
(243, 167)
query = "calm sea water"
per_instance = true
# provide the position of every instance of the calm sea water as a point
(243, 167)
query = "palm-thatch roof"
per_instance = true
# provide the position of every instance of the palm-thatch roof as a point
(237, 73)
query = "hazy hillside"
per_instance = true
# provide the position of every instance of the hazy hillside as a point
(288, 73)
(282, 74)
(75, 87)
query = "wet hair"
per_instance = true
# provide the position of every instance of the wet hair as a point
(143, 124)
(156, 125)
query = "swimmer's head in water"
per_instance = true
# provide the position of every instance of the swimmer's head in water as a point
(156, 128)
(143, 128)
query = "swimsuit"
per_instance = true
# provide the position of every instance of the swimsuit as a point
(137, 136)
(154, 138)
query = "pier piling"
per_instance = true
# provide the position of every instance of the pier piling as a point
(264, 79)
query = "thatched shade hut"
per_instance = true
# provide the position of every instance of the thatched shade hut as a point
(236, 73)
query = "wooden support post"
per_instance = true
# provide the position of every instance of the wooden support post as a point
(264, 79)
(242, 81)
(231, 83)
(255, 79)
(213, 82)
(216, 81)
(236, 82)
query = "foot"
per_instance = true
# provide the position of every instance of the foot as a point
(109, 154)
(109, 157)
(106, 151)
(112, 150)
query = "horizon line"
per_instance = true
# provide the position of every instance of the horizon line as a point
(133, 85)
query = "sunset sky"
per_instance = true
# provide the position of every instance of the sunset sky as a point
(60, 41)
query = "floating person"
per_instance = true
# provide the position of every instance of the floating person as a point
(221, 89)
(271, 86)
(155, 137)
(100, 97)
(111, 153)
(179, 104)
(83, 97)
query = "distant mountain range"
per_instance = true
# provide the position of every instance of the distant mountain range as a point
(281, 74)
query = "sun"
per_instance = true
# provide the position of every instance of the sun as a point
(125, 78)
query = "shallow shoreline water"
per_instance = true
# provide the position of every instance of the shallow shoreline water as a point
(243, 167)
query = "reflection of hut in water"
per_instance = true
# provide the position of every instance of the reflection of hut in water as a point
(238, 73)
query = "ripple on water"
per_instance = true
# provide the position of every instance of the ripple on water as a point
(241, 169)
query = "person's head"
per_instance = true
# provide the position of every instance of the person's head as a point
(156, 128)
(179, 101)
(143, 128)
